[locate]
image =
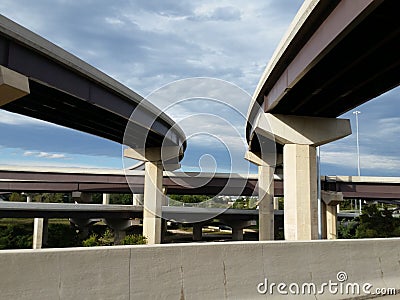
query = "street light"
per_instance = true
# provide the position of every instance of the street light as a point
(358, 148)
(358, 144)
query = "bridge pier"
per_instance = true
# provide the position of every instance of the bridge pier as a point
(330, 201)
(152, 202)
(137, 199)
(40, 232)
(106, 199)
(238, 227)
(156, 159)
(265, 197)
(119, 226)
(300, 136)
(198, 231)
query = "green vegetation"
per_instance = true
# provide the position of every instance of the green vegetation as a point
(97, 198)
(134, 239)
(189, 198)
(62, 235)
(347, 229)
(107, 239)
(15, 237)
(123, 199)
(376, 223)
(245, 203)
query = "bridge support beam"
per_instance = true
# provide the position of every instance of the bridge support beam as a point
(331, 202)
(119, 226)
(137, 199)
(12, 85)
(198, 231)
(106, 199)
(153, 196)
(40, 232)
(265, 197)
(155, 161)
(300, 136)
(300, 190)
(238, 227)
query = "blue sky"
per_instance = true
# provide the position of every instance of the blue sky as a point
(148, 44)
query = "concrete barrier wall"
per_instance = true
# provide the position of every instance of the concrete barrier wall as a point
(196, 271)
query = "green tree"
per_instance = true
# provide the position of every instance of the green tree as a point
(124, 199)
(16, 197)
(15, 237)
(347, 229)
(375, 223)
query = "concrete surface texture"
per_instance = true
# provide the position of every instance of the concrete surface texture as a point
(198, 271)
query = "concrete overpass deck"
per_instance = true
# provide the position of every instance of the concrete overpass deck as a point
(64, 90)
(33, 179)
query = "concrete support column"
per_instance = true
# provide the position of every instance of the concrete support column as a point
(266, 203)
(197, 231)
(331, 222)
(137, 199)
(83, 225)
(119, 227)
(300, 190)
(153, 196)
(106, 199)
(276, 203)
(155, 161)
(300, 135)
(40, 232)
(265, 194)
(237, 233)
(323, 220)
(238, 227)
(331, 201)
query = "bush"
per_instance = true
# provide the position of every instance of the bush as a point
(107, 239)
(347, 229)
(15, 237)
(62, 235)
(92, 241)
(134, 239)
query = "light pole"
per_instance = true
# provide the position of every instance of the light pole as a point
(358, 149)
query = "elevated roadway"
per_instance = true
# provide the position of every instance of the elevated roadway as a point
(65, 90)
(32, 179)
(335, 56)
(40, 80)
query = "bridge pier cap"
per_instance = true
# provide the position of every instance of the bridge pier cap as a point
(299, 136)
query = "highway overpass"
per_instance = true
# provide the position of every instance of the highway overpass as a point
(40, 80)
(335, 56)
(33, 179)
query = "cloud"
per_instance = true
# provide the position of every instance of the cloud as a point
(157, 42)
(45, 155)
(226, 13)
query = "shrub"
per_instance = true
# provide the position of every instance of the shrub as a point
(134, 239)
(61, 235)
(92, 241)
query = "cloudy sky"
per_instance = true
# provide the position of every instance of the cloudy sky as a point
(149, 44)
